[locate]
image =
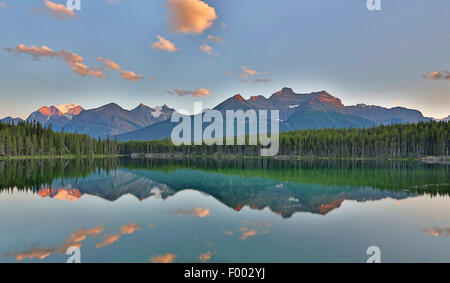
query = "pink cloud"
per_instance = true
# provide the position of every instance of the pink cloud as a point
(166, 258)
(444, 75)
(246, 72)
(59, 11)
(190, 16)
(109, 63)
(76, 63)
(130, 76)
(206, 48)
(215, 38)
(34, 51)
(201, 92)
(164, 44)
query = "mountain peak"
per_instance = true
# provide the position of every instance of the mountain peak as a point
(49, 111)
(325, 97)
(69, 108)
(257, 97)
(142, 107)
(111, 105)
(285, 91)
(239, 97)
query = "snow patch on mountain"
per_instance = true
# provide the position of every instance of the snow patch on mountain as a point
(65, 108)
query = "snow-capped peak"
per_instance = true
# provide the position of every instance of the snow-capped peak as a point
(65, 108)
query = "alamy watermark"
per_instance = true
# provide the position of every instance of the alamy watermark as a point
(75, 254)
(73, 5)
(375, 254)
(213, 134)
(374, 5)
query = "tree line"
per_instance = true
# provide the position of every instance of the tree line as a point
(392, 141)
(385, 141)
(33, 174)
(32, 139)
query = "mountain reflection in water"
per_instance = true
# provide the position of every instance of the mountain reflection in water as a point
(285, 187)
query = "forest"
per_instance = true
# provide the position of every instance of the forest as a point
(385, 141)
(31, 139)
(391, 141)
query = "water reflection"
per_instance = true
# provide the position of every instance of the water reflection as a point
(75, 239)
(253, 210)
(286, 187)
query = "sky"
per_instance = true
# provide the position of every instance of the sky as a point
(177, 52)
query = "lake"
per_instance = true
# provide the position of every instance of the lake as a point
(207, 210)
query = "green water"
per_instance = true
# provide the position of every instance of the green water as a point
(191, 210)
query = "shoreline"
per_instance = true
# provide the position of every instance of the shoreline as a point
(436, 159)
(426, 159)
(42, 157)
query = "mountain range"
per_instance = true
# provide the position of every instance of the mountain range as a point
(282, 198)
(297, 111)
(108, 120)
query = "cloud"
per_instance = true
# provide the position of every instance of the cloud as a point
(77, 237)
(190, 16)
(129, 228)
(228, 232)
(444, 75)
(223, 25)
(201, 92)
(34, 253)
(81, 234)
(166, 258)
(76, 63)
(130, 76)
(108, 241)
(206, 48)
(215, 38)
(246, 233)
(126, 229)
(164, 44)
(59, 11)
(198, 211)
(109, 63)
(205, 257)
(34, 51)
(229, 73)
(72, 59)
(438, 232)
(2, 5)
(152, 78)
(246, 72)
(201, 212)
(261, 81)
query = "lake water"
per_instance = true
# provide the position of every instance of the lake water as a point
(205, 210)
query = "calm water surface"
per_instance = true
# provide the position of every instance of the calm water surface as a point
(203, 210)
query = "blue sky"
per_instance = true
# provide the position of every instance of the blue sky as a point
(360, 56)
